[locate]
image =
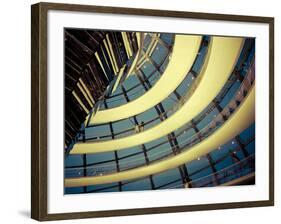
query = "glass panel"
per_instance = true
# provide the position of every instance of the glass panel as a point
(173, 185)
(147, 68)
(73, 160)
(200, 175)
(143, 184)
(186, 137)
(247, 134)
(130, 82)
(131, 162)
(168, 103)
(100, 157)
(229, 96)
(251, 148)
(74, 190)
(199, 61)
(102, 187)
(166, 37)
(154, 78)
(123, 125)
(197, 164)
(97, 131)
(207, 119)
(116, 101)
(136, 92)
(185, 85)
(147, 116)
(159, 53)
(166, 177)
(160, 151)
(129, 151)
(224, 163)
(147, 41)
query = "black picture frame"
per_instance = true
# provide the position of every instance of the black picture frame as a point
(39, 107)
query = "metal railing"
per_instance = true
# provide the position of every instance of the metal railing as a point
(232, 172)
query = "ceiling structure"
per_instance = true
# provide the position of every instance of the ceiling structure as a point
(175, 111)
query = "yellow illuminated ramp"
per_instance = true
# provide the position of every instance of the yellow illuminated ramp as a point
(240, 120)
(217, 68)
(184, 54)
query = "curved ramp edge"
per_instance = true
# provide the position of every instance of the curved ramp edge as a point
(219, 65)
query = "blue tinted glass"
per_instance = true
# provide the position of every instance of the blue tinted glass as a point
(100, 157)
(143, 184)
(166, 177)
(166, 37)
(73, 160)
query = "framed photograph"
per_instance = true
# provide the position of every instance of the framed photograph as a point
(138, 111)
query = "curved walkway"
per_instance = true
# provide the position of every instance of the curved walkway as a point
(214, 75)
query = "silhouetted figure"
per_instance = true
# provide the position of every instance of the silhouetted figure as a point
(142, 126)
(137, 128)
